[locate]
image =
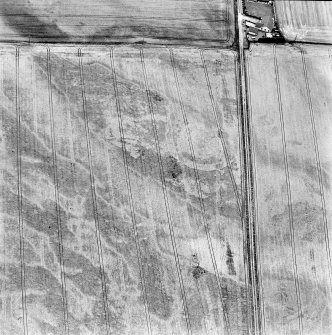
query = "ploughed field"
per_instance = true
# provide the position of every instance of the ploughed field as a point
(121, 193)
(290, 106)
(305, 20)
(184, 22)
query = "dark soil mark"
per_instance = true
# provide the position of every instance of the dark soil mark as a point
(159, 300)
(230, 261)
(172, 167)
(235, 305)
(155, 96)
(198, 272)
(28, 25)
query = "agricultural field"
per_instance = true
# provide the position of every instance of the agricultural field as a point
(185, 22)
(291, 141)
(121, 195)
(305, 21)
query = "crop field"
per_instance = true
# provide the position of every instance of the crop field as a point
(184, 22)
(292, 137)
(305, 21)
(121, 192)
